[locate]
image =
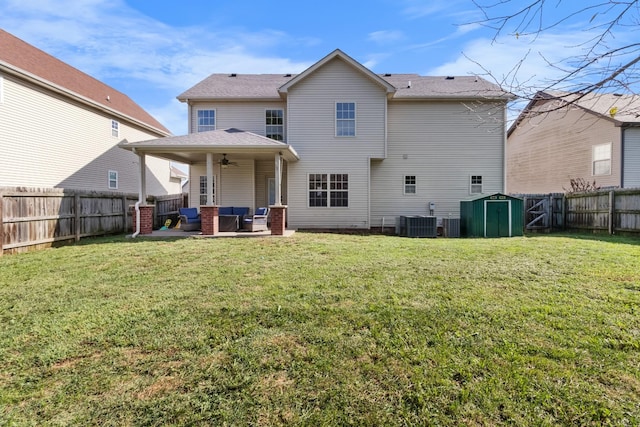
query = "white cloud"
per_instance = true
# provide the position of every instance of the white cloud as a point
(384, 37)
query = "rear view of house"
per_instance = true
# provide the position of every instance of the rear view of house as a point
(339, 145)
(564, 136)
(60, 127)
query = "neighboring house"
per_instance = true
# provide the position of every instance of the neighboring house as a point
(562, 136)
(359, 148)
(60, 127)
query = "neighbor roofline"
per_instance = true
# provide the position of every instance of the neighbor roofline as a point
(39, 81)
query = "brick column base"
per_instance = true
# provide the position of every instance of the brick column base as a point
(278, 219)
(146, 219)
(209, 220)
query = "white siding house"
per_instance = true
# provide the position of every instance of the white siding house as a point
(61, 128)
(359, 148)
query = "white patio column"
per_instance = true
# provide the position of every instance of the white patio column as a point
(278, 159)
(142, 194)
(209, 179)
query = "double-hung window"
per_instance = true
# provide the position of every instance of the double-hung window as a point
(115, 128)
(203, 190)
(206, 120)
(328, 190)
(602, 159)
(409, 184)
(275, 124)
(345, 119)
(475, 184)
(112, 180)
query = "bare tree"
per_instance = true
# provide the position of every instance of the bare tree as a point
(607, 62)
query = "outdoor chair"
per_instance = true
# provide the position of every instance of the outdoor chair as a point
(189, 219)
(257, 222)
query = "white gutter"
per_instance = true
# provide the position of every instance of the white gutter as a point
(137, 209)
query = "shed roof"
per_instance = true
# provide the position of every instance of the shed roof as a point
(27, 61)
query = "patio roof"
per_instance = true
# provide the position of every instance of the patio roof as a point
(193, 147)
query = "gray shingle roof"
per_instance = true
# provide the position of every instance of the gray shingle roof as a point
(265, 86)
(221, 137)
(625, 108)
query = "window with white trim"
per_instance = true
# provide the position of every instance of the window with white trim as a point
(203, 190)
(113, 180)
(475, 184)
(274, 121)
(602, 159)
(328, 190)
(345, 119)
(410, 184)
(206, 120)
(115, 128)
(1, 90)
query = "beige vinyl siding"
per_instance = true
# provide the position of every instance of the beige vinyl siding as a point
(234, 185)
(266, 169)
(50, 141)
(545, 152)
(311, 130)
(442, 144)
(247, 116)
(632, 158)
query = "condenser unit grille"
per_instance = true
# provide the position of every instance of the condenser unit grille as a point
(418, 226)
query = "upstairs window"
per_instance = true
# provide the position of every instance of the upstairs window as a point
(115, 128)
(112, 180)
(1, 89)
(475, 185)
(409, 184)
(345, 119)
(602, 159)
(275, 124)
(328, 190)
(206, 120)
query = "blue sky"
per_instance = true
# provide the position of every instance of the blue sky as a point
(155, 50)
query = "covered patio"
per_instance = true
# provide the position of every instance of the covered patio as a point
(225, 166)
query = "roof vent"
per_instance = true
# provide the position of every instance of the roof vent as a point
(617, 94)
(449, 78)
(287, 75)
(409, 85)
(233, 75)
(387, 75)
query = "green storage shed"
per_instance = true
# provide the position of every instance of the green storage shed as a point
(497, 215)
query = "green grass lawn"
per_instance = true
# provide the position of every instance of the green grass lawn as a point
(322, 329)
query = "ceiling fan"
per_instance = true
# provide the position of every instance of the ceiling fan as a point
(224, 162)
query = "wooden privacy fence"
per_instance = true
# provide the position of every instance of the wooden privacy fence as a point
(610, 211)
(33, 218)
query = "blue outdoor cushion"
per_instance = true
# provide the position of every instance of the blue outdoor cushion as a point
(225, 210)
(190, 213)
(240, 211)
(261, 211)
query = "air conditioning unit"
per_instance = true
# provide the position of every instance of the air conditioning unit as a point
(418, 226)
(451, 227)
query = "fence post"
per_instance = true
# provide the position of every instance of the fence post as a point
(1, 227)
(612, 211)
(564, 211)
(125, 211)
(77, 211)
(551, 213)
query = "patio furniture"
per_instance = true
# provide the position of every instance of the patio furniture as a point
(230, 218)
(189, 219)
(257, 222)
